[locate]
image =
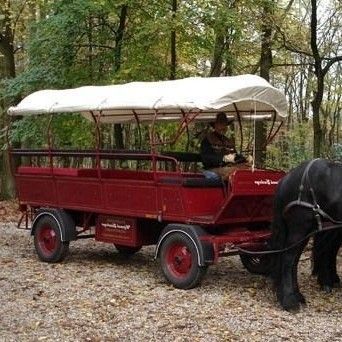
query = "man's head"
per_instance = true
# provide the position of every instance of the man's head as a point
(221, 123)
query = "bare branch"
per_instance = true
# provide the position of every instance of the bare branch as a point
(289, 47)
(330, 63)
(291, 64)
(18, 16)
(95, 46)
(313, 38)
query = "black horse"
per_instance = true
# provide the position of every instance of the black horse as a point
(307, 199)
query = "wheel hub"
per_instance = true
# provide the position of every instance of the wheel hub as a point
(179, 260)
(47, 239)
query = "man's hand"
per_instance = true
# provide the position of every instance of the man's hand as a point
(229, 158)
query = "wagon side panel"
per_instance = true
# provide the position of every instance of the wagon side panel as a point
(36, 190)
(250, 196)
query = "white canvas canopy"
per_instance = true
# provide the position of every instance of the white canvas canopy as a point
(248, 94)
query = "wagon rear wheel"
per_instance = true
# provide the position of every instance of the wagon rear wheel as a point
(257, 264)
(48, 242)
(179, 261)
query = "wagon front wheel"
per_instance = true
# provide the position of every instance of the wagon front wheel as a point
(48, 241)
(179, 261)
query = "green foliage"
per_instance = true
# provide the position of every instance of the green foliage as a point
(291, 147)
(336, 152)
(61, 42)
(67, 131)
(65, 44)
(30, 131)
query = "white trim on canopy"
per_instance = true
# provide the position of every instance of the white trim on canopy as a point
(249, 94)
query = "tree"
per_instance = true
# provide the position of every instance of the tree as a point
(320, 45)
(10, 15)
(266, 63)
(322, 64)
(173, 43)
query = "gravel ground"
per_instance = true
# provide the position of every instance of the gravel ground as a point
(98, 295)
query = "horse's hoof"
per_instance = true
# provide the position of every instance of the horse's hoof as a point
(292, 308)
(301, 299)
(337, 281)
(291, 304)
(326, 288)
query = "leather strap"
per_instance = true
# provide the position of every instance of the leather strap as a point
(318, 212)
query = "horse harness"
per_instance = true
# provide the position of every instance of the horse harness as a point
(319, 213)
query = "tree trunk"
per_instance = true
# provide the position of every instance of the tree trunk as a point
(318, 94)
(9, 61)
(118, 130)
(7, 48)
(217, 61)
(173, 65)
(7, 188)
(266, 62)
(316, 105)
(320, 73)
(119, 37)
(118, 136)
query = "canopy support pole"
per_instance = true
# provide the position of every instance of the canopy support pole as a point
(271, 137)
(138, 126)
(49, 138)
(98, 141)
(187, 132)
(153, 142)
(240, 125)
(254, 137)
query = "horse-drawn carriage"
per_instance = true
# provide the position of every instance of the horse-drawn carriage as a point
(190, 219)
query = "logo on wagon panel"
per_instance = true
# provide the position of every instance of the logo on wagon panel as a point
(116, 226)
(266, 182)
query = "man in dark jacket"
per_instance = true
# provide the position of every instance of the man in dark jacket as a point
(218, 152)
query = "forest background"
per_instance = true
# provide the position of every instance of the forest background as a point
(294, 44)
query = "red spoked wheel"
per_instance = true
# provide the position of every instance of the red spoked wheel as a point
(179, 261)
(48, 241)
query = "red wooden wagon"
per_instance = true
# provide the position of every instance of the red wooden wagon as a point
(192, 220)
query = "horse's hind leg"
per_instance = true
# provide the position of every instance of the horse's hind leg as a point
(316, 259)
(337, 242)
(322, 260)
(326, 246)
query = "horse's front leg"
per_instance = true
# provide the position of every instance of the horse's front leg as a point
(299, 295)
(288, 291)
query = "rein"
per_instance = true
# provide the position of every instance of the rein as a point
(278, 251)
